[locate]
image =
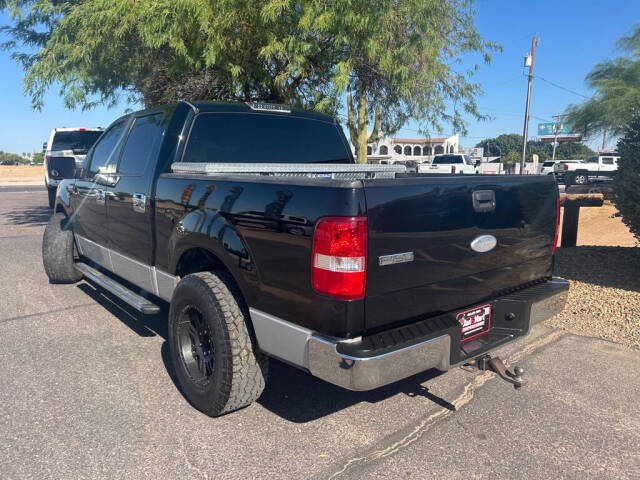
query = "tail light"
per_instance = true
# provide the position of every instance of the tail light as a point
(555, 238)
(339, 257)
(47, 157)
(566, 167)
(453, 169)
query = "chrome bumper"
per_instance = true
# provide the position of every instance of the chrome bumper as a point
(355, 373)
(320, 356)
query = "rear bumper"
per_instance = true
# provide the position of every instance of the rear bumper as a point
(369, 362)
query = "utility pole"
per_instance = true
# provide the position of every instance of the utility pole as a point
(555, 138)
(528, 62)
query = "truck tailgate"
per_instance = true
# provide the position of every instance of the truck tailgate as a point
(434, 217)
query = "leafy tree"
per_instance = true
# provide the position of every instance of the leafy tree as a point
(510, 143)
(617, 91)
(398, 58)
(161, 51)
(627, 181)
(7, 158)
(38, 157)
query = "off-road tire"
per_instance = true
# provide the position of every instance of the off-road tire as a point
(569, 179)
(51, 193)
(58, 251)
(239, 368)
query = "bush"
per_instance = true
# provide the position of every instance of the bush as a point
(627, 181)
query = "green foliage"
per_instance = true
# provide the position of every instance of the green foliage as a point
(399, 58)
(38, 157)
(161, 51)
(7, 158)
(511, 143)
(617, 91)
(511, 158)
(627, 181)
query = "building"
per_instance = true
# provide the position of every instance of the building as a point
(391, 150)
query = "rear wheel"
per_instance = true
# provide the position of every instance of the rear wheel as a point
(51, 192)
(58, 251)
(213, 349)
(581, 178)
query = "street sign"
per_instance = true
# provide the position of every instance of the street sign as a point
(566, 132)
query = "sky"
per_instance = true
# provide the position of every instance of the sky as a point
(574, 35)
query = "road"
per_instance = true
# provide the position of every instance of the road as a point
(86, 391)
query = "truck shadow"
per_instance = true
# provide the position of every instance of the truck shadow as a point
(292, 394)
(34, 216)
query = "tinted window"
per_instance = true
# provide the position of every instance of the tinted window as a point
(143, 144)
(548, 164)
(264, 138)
(607, 160)
(104, 152)
(593, 160)
(79, 141)
(467, 160)
(447, 159)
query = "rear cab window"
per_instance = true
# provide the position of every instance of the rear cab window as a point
(239, 137)
(79, 141)
(447, 159)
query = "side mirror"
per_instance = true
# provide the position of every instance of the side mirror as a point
(44, 147)
(62, 167)
(477, 164)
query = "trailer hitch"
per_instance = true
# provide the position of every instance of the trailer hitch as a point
(495, 364)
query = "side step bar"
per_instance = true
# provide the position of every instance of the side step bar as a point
(123, 293)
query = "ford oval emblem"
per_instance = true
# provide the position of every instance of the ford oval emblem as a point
(484, 243)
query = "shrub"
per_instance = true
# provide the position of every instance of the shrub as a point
(627, 181)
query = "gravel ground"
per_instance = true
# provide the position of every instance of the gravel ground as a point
(604, 298)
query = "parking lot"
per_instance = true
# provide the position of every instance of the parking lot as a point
(87, 391)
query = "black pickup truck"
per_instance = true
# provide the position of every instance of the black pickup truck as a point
(268, 240)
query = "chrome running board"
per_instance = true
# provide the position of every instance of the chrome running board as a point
(112, 286)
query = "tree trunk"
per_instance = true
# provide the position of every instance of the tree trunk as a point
(362, 126)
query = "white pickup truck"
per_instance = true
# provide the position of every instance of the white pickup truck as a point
(597, 168)
(64, 142)
(450, 163)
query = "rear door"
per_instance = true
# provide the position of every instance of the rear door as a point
(429, 225)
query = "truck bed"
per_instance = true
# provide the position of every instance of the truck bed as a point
(266, 223)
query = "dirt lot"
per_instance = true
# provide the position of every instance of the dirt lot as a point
(604, 299)
(21, 175)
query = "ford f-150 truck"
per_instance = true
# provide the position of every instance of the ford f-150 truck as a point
(268, 240)
(601, 167)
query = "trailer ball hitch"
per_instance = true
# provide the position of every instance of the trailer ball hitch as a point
(496, 365)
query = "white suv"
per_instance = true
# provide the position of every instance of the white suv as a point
(449, 163)
(65, 142)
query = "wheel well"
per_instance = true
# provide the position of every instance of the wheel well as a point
(60, 209)
(198, 260)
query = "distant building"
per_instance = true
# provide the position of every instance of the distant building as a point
(391, 150)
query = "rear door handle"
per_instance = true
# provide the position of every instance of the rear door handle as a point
(484, 201)
(139, 202)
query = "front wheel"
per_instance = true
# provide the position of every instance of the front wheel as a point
(58, 251)
(213, 349)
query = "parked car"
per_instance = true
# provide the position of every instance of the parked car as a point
(65, 142)
(596, 168)
(547, 167)
(361, 275)
(457, 163)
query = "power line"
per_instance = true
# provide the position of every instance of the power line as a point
(561, 87)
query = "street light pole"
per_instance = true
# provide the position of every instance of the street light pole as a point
(555, 138)
(528, 62)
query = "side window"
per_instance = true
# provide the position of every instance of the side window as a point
(607, 160)
(593, 160)
(142, 144)
(104, 152)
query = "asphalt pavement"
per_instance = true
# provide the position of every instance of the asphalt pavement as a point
(87, 391)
